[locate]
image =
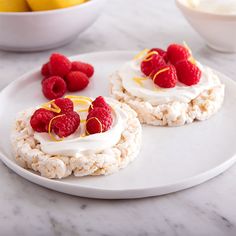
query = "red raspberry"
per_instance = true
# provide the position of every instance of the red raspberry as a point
(76, 81)
(59, 65)
(177, 53)
(66, 124)
(45, 70)
(165, 77)
(43, 80)
(98, 120)
(53, 87)
(40, 120)
(83, 67)
(155, 62)
(65, 104)
(161, 52)
(100, 102)
(188, 73)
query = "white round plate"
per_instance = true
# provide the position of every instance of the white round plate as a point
(171, 158)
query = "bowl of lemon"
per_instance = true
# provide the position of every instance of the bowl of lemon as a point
(35, 25)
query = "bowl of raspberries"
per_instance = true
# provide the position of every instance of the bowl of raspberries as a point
(60, 75)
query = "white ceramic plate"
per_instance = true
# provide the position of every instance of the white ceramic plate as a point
(171, 159)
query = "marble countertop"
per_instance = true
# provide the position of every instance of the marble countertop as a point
(208, 209)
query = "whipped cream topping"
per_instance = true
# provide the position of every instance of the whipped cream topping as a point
(76, 144)
(148, 91)
(214, 6)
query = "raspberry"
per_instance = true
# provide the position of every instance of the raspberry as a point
(43, 80)
(161, 52)
(40, 120)
(65, 104)
(53, 87)
(153, 63)
(100, 102)
(165, 77)
(83, 67)
(177, 53)
(59, 65)
(98, 120)
(66, 124)
(188, 73)
(45, 70)
(76, 81)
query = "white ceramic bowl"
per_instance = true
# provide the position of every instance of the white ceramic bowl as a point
(34, 31)
(218, 30)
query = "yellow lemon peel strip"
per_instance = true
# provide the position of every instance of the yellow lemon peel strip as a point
(139, 80)
(97, 121)
(55, 108)
(148, 57)
(53, 138)
(80, 99)
(141, 54)
(51, 106)
(192, 60)
(73, 97)
(82, 121)
(159, 72)
(82, 110)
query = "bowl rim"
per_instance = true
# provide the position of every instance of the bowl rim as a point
(211, 15)
(30, 13)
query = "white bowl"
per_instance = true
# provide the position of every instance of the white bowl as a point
(218, 30)
(34, 31)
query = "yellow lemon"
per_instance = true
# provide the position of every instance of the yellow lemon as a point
(44, 5)
(13, 6)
